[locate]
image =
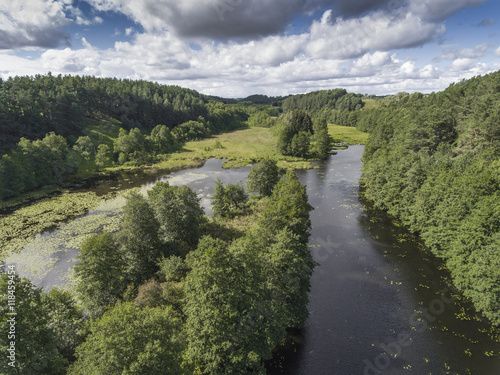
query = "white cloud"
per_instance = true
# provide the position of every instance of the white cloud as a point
(236, 19)
(470, 53)
(497, 52)
(439, 10)
(463, 63)
(84, 61)
(25, 23)
(219, 19)
(341, 39)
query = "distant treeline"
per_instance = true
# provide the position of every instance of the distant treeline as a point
(433, 161)
(336, 106)
(275, 101)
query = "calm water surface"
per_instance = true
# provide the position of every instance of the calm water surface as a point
(379, 302)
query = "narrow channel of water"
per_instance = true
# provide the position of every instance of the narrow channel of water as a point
(376, 291)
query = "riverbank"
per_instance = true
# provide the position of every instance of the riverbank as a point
(24, 217)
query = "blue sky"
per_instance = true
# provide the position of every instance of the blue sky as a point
(235, 48)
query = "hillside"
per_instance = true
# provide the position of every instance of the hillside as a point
(432, 161)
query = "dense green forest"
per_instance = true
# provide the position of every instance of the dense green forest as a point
(176, 292)
(335, 106)
(433, 162)
(57, 127)
(46, 124)
(34, 106)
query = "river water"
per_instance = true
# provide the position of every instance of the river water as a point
(379, 303)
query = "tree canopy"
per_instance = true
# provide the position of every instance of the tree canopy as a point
(100, 273)
(432, 161)
(263, 177)
(132, 340)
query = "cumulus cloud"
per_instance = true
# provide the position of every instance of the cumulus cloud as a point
(497, 52)
(469, 53)
(239, 19)
(215, 19)
(350, 8)
(83, 61)
(342, 39)
(28, 23)
(462, 63)
(439, 10)
(40, 22)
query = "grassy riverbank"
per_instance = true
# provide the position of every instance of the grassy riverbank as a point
(38, 211)
(250, 145)
(347, 134)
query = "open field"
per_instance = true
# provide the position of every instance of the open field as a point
(347, 134)
(239, 148)
(248, 146)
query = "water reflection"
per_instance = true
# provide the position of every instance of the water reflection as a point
(373, 278)
(369, 292)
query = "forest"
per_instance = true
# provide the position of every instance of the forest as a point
(432, 161)
(46, 123)
(56, 128)
(175, 291)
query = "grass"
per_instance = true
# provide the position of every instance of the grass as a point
(347, 134)
(239, 148)
(32, 213)
(375, 103)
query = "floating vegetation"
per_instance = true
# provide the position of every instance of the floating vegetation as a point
(21, 226)
(51, 255)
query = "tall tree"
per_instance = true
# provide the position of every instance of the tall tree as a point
(321, 140)
(100, 274)
(36, 346)
(85, 147)
(263, 177)
(288, 208)
(102, 157)
(230, 326)
(294, 134)
(66, 320)
(139, 238)
(227, 200)
(132, 340)
(179, 213)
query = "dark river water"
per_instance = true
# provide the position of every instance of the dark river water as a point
(379, 303)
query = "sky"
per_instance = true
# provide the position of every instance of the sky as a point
(236, 48)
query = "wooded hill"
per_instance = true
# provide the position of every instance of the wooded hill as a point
(46, 126)
(433, 161)
(33, 106)
(55, 127)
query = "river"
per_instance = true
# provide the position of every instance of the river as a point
(379, 302)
